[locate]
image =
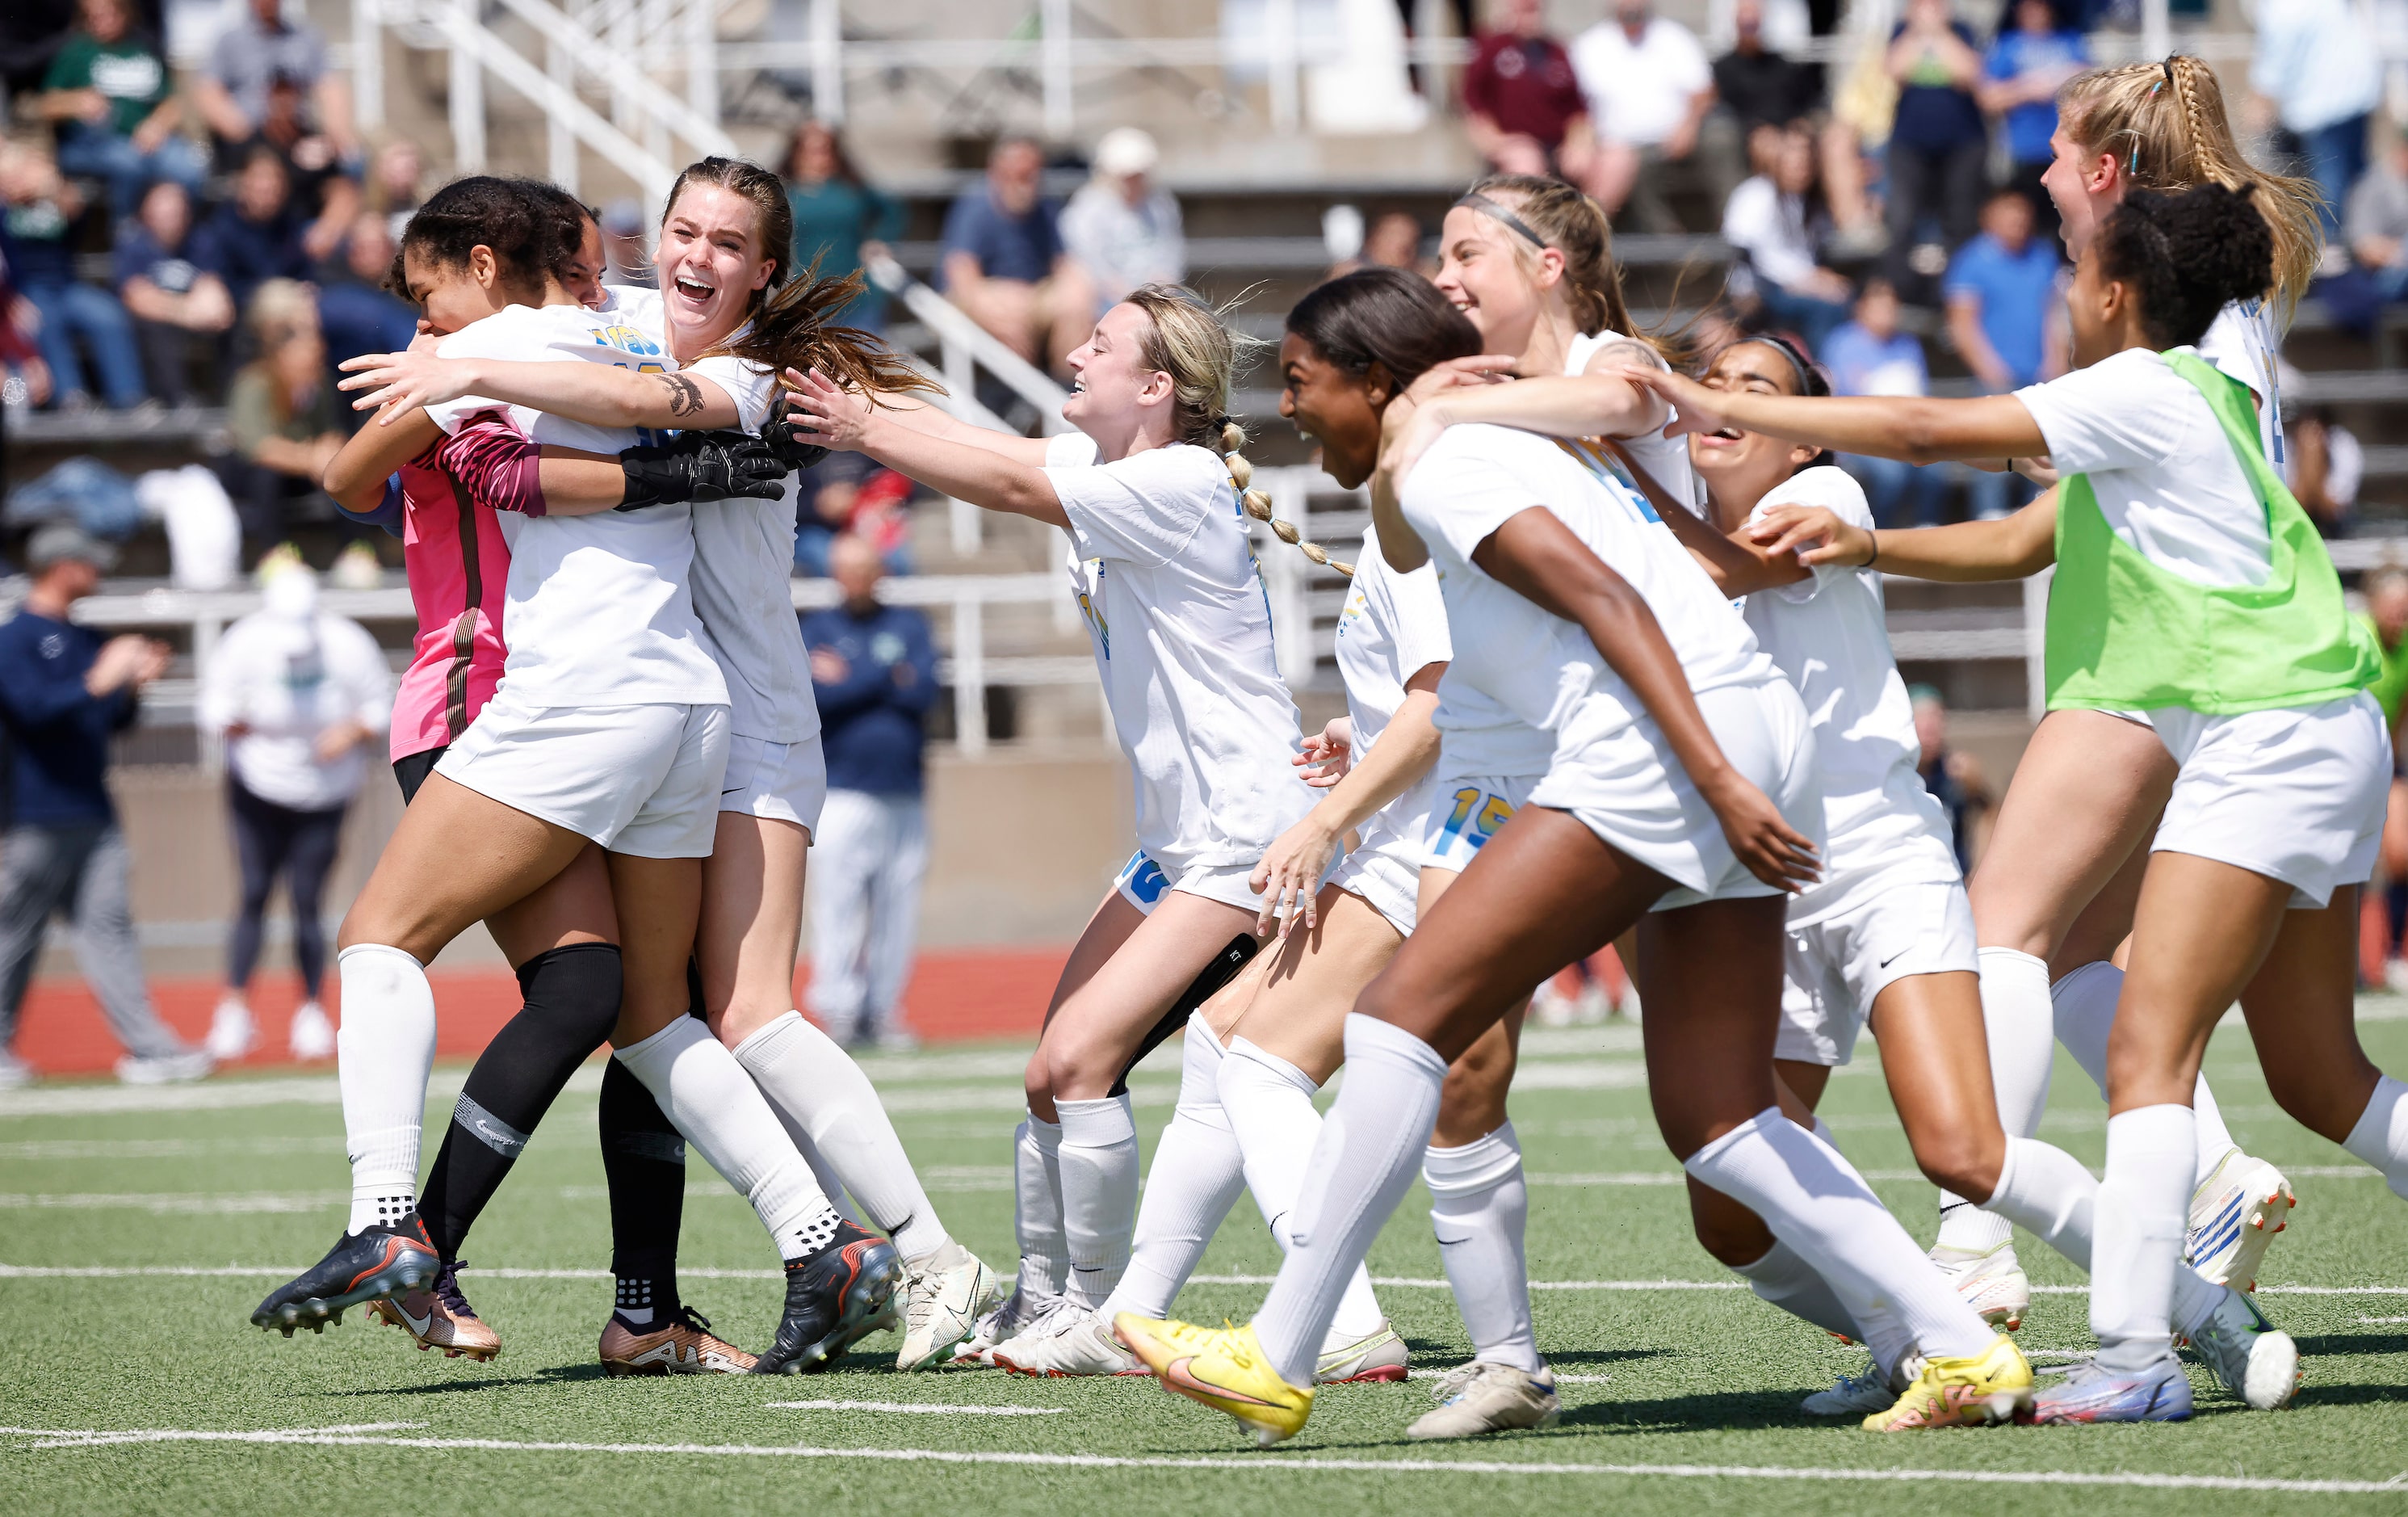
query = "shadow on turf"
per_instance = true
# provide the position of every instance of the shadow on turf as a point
(2345, 1344)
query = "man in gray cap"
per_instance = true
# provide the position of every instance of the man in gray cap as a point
(64, 693)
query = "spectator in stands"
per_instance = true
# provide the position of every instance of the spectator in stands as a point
(64, 694)
(1004, 262)
(116, 108)
(261, 47)
(356, 314)
(396, 185)
(20, 355)
(181, 311)
(839, 220)
(2324, 464)
(2033, 57)
(283, 414)
(1394, 240)
(76, 317)
(1649, 88)
(849, 494)
(1753, 86)
(2376, 230)
(299, 695)
(1868, 354)
(1122, 227)
(1775, 222)
(1955, 779)
(2318, 72)
(2003, 319)
(1939, 145)
(323, 192)
(1522, 102)
(874, 670)
(256, 236)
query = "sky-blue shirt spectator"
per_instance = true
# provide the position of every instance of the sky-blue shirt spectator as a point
(2001, 287)
(1868, 354)
(2320, 72)
(1004, 263)
(2032, 57)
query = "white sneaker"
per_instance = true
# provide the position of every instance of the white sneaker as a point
(1477, 1398)
(1020, 1312)
(944, 1292)
(2234, 1215)
(165, 1068)
(1075, 1341)
(15, 1073)
(356, 568)
(311, 1036)
(1991, 1283)
(231, 1032)
(1380, 1356)
(2256, 1360)
(1865, 1392)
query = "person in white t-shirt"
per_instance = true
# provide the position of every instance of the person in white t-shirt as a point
(1886, 938)
(1153, 494)
(1649, 88)
(2172, 531)
(296, 693)
(727, 317)
(1673, 735)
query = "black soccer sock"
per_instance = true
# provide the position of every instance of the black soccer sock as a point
(644, 1157)
(571, 1004)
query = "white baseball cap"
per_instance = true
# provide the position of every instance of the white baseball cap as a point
(1126, 150)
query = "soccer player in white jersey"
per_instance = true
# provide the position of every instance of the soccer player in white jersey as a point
(1152, 490)
(1886, 938)
(610, 727)
(2189, 583)
(727, 316)
(1673, 736)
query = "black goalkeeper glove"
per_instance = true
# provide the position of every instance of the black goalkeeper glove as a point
(701, 466)
(779, 433)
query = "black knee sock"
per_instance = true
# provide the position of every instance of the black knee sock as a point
(644, 1159)
(1206, 983)
(572, 1002)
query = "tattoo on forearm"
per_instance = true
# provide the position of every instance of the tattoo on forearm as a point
(686, 396)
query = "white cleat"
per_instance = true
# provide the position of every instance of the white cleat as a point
(1863, 1393)
(311, 1036)
(2234, 1215)
(1071, 1341)
(1020, 1312)
(944, 1292)
(231, 1032)
(2254, 1359)
(1380, 1356)
(1991, 1283)
(165, 1068)
(1477, 1397)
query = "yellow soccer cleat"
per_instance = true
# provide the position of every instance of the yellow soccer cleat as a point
(1996, 1387)
(1222, 1367)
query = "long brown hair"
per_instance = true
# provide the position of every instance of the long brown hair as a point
(1574, 226)
(2165, 123)
(791, 320)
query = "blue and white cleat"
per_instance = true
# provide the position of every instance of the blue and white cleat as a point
(2088, 1394)
(2234, 1215)
(2256, 1360)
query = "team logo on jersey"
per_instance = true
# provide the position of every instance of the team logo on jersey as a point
(1142, 881)
(53, 644)
(619, 335)
(1089, 597)
(1357, 606)
(886, 648)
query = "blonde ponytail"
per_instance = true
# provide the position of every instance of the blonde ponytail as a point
(1190, 343)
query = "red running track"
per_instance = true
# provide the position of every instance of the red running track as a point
(952, 997)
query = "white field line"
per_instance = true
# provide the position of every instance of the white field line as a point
(1265, 1463)
(50, 1149)
(2381, 1322)
(928, 1407)
(1561, 1378)
(320, 1091)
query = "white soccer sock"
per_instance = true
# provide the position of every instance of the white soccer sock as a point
(1099, 1168)
(1036, 1208)
(382, 1056)
(1360, 1170)
(811, 1080)
(2381, 1135)
(1788, 1281)
(2046, 1192)
(1883, 1333)
(2138, 1220)
(1815, 1201)
(1270, 1101)
(710, 1099)
(2084, 1003)
(1479, 1209)
(2016, 1018)
(1197, 1175)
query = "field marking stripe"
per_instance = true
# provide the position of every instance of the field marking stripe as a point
(922, 1407)
(1284, 1464)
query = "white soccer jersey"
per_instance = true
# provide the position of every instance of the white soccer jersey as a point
(1665, 459)
(2247, 343)
(1164, 576)
(598, 611)
(1392, 627)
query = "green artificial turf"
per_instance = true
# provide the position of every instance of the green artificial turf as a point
(1688, 1397)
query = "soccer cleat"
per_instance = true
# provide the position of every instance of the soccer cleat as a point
(1382, 1356)
(1223, 1369)
(1994, 1388)
(2089, 1393)
(834, 1298)
(1020, 1311)
(1991, 1283)
(685, 1347)
(1477, 1398)
(1072, 1342)
(374, 1262)
(439, 1316)
(2256, 1360)
(15, 1073)
(944, 1292)
(1867, 1391)
(2234, 1215)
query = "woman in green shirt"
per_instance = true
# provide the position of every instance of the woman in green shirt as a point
(116, 109)
(839, 220)
(280, 415)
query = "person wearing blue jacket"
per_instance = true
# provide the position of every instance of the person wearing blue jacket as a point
(64, 694)
(874, 672)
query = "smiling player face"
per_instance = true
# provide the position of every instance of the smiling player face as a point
(710, 262)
